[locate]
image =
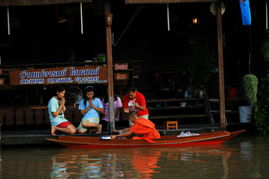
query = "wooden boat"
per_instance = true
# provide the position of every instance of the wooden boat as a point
(217, 137)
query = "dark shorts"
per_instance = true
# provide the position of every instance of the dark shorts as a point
(64, 124)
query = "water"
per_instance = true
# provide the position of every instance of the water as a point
(242, 157)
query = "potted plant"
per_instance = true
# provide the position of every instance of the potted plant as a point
(250, 83)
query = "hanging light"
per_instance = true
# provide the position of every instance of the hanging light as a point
(195, 20)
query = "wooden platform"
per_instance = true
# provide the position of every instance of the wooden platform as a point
(179, 116)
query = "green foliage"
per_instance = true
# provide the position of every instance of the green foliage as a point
(261, 114)
(202, 62)
(265, 50)
(265, 47)
(250, 82)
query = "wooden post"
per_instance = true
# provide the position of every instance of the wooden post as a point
(108, 17)
(0, 134)
(221, 66)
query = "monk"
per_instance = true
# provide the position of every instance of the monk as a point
(141, 126)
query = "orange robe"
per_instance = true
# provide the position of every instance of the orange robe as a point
(146, 128)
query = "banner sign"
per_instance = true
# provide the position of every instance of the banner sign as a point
(62, 75)
(245, 12)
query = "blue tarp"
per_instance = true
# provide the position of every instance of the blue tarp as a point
(245, 12)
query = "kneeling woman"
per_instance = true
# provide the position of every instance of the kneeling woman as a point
(90, 107)
(56, 109)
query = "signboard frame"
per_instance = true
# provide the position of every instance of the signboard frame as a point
(60, 75)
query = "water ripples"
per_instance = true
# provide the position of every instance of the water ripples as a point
(242, 158)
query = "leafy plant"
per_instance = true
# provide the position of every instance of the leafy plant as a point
(261, 114)
(265, 50)
(265, 47)
(201, 64)
(250, 82)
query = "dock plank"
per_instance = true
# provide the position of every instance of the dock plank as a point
(181, 116)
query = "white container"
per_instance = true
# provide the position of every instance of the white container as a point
(183, 104)
(106, 137)
(245, 114)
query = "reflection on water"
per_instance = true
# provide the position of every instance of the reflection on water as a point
(243, 157)
(105, 163)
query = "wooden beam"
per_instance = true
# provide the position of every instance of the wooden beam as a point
(165, 1)
(38, 2)
(221, 67)
(108, 17)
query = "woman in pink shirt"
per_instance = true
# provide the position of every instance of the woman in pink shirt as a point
(117, 108)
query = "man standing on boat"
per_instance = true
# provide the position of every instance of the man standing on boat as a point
(140, 126)
(135, 101)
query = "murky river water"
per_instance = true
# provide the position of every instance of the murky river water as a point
(242, 157)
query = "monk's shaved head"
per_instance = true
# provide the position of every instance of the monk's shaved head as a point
(133, 116)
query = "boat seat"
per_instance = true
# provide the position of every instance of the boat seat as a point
(171, 125)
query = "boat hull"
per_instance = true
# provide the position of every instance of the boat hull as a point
(165, 141)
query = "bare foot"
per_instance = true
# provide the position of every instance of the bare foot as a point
(99, 129)
(53, 129)
(83, 124)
